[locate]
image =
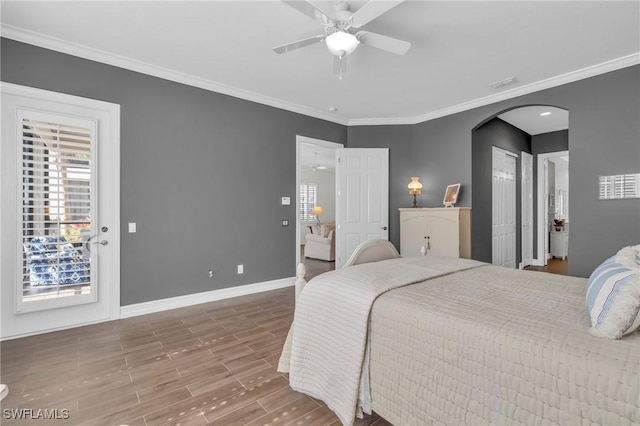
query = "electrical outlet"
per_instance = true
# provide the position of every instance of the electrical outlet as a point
(210, 273)
(240, 269)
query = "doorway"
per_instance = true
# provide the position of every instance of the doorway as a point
(60, 231)
(315, 166)
(533, 129)
(553, 208)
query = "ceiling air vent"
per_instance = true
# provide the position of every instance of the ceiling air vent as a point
(502, 83)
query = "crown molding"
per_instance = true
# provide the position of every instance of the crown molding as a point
(75, 49)
(570, 77)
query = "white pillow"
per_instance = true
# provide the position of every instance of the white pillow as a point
(613, 295)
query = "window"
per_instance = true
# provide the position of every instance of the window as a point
(619, 186)
(56, 210)
(308, 197)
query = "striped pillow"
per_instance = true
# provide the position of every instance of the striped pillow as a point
(613, 295)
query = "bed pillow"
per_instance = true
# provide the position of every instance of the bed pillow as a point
(613, 295)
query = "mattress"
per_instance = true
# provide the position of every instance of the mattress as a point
(498, 346)
(459, 342)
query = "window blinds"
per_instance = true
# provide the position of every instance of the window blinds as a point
(308, 194)
(619, 186)
(56, 211)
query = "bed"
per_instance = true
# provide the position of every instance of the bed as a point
(436, 340)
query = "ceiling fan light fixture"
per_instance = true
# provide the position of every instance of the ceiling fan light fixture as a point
(341, 43)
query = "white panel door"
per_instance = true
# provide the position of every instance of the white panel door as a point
(503, 208)
(60, 227)
(362, 198)
(527, 208)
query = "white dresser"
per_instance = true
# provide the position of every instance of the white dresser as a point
(559, 244)
(443, 231)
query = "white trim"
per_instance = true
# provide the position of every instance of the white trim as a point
(204, 297)
(559, 80)
(75, 49)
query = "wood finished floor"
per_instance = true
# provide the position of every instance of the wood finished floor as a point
(315, 267)
(213, 363)
(554, 266)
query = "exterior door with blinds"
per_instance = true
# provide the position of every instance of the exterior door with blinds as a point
(62, 241)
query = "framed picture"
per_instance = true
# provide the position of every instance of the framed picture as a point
(451, 195)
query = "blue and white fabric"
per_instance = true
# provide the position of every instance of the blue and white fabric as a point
(613, 295)
(52, 260)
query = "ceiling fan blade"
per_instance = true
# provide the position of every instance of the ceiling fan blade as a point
(339, 66)
(300, 43)
(379, 41)
(371, 10)
(308, 9)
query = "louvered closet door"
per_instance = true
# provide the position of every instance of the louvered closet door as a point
(58, 207)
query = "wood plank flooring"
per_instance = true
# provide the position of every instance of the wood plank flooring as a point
(213, 363)
(554, 266)
(315, 267)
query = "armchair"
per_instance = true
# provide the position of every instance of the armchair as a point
(52, 260)
(321, 243)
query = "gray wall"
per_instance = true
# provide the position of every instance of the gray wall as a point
(604, 138)
(202, 174)
(503, 135)
(194, 163)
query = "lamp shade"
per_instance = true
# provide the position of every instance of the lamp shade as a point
(317, 210)
(415, 187)
(341, 43)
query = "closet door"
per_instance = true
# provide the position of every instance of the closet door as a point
(504, 208)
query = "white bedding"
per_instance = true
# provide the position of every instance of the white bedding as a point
(326, 347)
(484, 345)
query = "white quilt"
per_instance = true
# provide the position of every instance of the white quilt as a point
(498, 346)
(325, 351)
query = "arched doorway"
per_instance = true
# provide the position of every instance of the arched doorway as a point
(519, 131)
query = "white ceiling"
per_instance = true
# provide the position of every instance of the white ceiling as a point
(531, 119)
(458, 49)
(312, 156)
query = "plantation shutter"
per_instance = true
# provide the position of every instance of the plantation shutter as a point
(619, 186)
(56, 211)
(308, 199)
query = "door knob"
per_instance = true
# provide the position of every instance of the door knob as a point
(102, 242)
(384, 228)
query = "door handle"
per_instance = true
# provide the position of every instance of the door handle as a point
(384, 228)
(88, 242)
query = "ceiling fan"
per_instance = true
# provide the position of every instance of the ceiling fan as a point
(342, 30)
(315, 166)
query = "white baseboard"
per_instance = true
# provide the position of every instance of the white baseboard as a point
(207, 296)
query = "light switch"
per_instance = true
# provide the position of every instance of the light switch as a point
(286, 201)
(132, 227)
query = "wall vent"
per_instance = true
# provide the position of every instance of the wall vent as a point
(502, 83)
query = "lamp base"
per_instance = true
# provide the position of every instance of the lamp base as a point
(415, 204)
